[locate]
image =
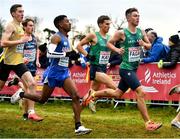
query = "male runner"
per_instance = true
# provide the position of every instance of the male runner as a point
(99, 57)
(58, 74)
(13, 40)
(31, 59)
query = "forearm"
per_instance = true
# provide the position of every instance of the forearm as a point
(112, 47)
(147, 46)
(11, 43)
(81, 50)
(37, 56)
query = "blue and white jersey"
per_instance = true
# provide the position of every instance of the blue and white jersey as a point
(58, 70)
(30, 50)
(63, 46)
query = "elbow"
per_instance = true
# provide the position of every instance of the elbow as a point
(79, 48)
(3, 44)
(108, 45)
(148, 47)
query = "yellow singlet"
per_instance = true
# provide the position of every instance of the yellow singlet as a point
(14, 54)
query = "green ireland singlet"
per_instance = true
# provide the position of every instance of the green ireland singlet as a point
(100, 50)
(131, 56)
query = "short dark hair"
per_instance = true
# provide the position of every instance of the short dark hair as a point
(14, 8)
(25, 22)
(174, 39)
(152, 31)
(58, 19)
(148, 29)
(130, 10)
(155, 34)
(102, 18)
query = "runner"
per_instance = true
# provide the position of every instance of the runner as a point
(13, 40)
(58, 74)
(31, 59)
(176, 121)
(99, 57)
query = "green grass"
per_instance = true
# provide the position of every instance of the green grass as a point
(122, 122)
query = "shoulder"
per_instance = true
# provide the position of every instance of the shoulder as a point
(119, 35)
(91, 36)
(141, 31)
(10, 26)
(55, 39)
(120, 32)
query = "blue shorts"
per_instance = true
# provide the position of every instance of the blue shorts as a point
(96, 68)
(128, 80)
(54, 77)
(32, 68)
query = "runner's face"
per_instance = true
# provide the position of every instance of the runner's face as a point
(105, 26)
(18, 14)
(134, 18)
(29, 28)
(66, 25)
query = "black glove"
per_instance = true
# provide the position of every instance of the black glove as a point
(91, 57)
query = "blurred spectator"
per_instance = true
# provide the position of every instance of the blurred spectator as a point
(174, 53)
(148, 29)
(83, 60)
(158, 49)
(73, 58)
(43, 60)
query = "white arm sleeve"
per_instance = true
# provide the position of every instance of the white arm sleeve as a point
(51, 52)
(51, 47)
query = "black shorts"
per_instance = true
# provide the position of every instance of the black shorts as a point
(96, 68)
(128, 80)
(5, 70)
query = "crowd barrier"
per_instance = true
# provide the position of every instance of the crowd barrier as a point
(156, 82)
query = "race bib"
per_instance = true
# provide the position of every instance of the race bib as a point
(104, 57)
(64, 61)
(19, 48)
(30, 54)
(134, 54)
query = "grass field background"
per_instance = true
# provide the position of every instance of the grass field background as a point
(122, 122)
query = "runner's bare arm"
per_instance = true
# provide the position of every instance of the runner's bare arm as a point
(37, 56)
(90, 38)
(145, 42)
(6, 42)
(118, 36)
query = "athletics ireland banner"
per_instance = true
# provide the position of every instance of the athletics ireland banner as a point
(156, 82)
